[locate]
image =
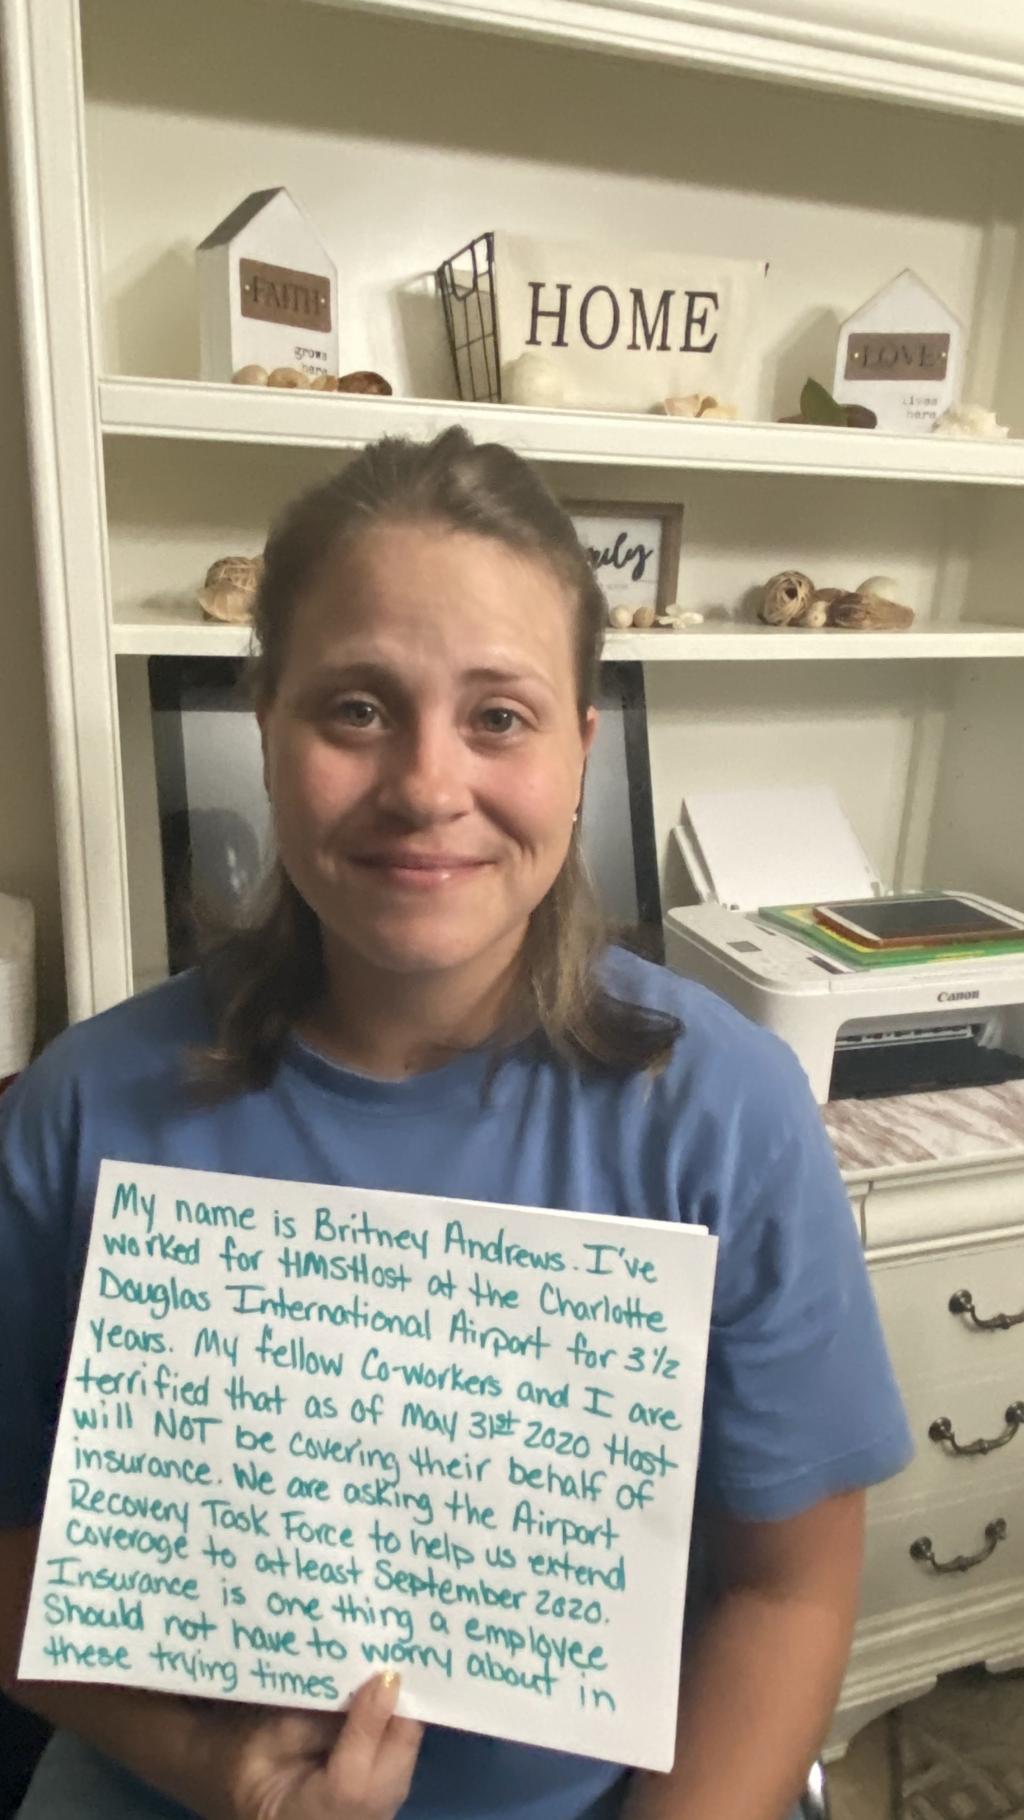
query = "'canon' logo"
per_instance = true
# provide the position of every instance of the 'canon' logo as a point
(952, 998)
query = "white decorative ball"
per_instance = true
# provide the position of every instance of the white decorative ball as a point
(880, 587)
(533, 379)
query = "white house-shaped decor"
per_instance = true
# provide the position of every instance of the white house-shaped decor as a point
(901, 355)
(268, 292)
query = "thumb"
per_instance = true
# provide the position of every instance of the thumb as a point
(372, 1739)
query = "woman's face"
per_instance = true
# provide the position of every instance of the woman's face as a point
(423, 753)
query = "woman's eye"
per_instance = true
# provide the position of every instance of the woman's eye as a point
(500, 720)
(354, 713)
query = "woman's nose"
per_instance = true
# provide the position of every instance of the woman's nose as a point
(427, 776)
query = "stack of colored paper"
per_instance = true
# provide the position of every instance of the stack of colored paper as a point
(799, 920)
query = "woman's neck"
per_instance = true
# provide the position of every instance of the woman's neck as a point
(392, 1025)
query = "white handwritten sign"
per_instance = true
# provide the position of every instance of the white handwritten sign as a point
(311, 1432)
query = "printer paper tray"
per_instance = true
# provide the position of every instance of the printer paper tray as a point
(875, 1070)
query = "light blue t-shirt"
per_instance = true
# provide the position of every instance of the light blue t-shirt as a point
(800, 1400)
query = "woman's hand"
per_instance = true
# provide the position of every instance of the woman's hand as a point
(355, 1765)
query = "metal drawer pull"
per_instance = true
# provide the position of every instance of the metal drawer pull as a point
(963, 1303)
(942, 1430)
(921, 1550)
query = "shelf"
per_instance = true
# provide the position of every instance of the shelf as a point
(176, 628)
(723, 643)
(181, 409)
(933, 54)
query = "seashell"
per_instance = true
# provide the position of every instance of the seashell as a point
(815, 614)
(372, 383)
(250, 375)
(688, 406)
(644, 617)
(291, 377)
(676, 618)
(885, 585)
(712, 409)
(869, 613)
(620, 617)
(324, 382)
(785, 597)
(229, 591)
(969, 420)
(533, 379)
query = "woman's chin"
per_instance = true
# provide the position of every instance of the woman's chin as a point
(410, 957)
(436, 946)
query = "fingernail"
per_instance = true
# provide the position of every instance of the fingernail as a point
(390, 1678)
(387, 1689)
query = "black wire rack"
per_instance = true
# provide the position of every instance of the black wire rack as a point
(466, 282)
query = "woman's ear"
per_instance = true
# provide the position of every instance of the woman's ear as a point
(587, 731)
(261, 722)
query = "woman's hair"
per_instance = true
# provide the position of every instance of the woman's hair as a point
(266, 975)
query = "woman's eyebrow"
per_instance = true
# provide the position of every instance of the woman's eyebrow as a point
(505, 674)
(373, 672)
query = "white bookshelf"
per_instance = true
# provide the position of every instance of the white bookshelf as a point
(834, 140)
(178, 628)
(179, 410)
(931, 53)
(840, 139)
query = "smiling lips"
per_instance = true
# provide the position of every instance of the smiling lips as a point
(421, 871)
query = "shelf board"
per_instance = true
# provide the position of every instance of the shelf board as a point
(176, 628)
(929, 58)
(744, 643)
(195, 411)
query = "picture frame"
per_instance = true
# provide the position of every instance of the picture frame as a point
(635, 548)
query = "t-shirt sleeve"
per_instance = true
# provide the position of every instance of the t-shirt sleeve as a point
(36, 1170)
(801, 1401)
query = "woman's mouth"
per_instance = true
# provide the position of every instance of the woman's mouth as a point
(419, 871)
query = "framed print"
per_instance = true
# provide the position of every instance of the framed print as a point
(634, 549)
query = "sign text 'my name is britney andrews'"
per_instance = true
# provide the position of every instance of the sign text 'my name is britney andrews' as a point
(306, 1438)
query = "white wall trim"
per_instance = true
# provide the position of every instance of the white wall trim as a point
(43, 90)
(823, 44)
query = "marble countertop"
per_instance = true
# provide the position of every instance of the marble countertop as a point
(916, 1128)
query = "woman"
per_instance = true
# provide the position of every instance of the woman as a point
(428, 1004)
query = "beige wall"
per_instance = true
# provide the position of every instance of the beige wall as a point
(28, 849)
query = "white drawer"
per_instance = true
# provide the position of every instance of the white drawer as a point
(936, 1207)
(928, 1340)
(893, 1580)
(975, 1410)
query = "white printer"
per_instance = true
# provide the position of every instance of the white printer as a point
(856, 1030)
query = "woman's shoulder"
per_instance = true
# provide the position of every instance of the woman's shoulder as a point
(147, 1031)
(721, 1060)
(706, 1021)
